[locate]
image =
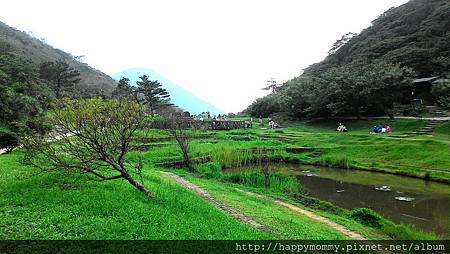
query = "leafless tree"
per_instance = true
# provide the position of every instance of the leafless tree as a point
(177, 129)
(178, 132)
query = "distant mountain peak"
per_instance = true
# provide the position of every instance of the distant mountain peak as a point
(178, 95)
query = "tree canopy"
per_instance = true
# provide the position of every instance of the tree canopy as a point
(59, 75)
(93, 136)
(353, 89)
(123, 90)
(22, 93)
(151, 93)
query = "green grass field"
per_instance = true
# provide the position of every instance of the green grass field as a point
(420, 156)
(63, 205)
(54, 205)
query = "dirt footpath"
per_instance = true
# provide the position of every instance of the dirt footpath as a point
(204, 194)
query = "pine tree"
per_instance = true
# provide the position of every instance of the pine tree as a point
(151, 93)
(60, 75)
(123, 91)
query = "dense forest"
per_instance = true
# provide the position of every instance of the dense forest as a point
(34, 76)
(365, 74)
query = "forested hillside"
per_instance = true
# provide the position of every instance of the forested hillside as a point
(33, 75)
(416, 35)
(367, 73)
(25, 46)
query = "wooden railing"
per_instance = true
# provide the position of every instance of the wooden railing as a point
(209, 124)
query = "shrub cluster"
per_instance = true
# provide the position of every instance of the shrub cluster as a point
(8, 140)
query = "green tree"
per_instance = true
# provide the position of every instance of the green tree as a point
(369, 87)
(59, 75)
(264, 106)
(441, 90)
(123, 90)
(361, 87)
(341, 42)
(8, 141)
(22, 94)
(94, 136)
(357, 88)
(151, 93)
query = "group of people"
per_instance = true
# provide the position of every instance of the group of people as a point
(219, 118)
(385, 128)
(341, 128)
(273, 124)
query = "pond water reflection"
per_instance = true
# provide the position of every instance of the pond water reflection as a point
(423, 204)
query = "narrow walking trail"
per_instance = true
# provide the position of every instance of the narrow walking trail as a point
(3, 150)
(204, 194)
(243, 218)
(345, 231)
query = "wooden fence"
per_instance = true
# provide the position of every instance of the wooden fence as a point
(209, 124)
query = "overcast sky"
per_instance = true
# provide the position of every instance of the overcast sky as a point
(221, 50)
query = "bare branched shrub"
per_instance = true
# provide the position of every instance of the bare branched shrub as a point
(176, 129)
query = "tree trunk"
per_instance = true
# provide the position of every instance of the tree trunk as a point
(266, 172)
(137, 185)
(186, 159)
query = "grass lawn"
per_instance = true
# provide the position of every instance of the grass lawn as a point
(443, 131)
(54, 205)
(421, 156)
(418, 156)
(60, 205)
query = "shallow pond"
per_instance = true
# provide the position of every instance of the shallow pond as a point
(423, 204)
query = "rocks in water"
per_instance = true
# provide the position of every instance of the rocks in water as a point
(383, 188)
(406, 199)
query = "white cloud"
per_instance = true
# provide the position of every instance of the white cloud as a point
(222, 51)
